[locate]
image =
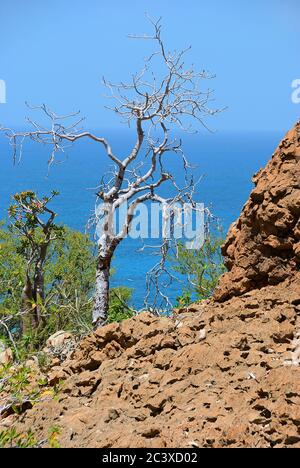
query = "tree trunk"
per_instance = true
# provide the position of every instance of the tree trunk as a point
(39, 284)
(33, 295)
(39, 293)
(101, 298)
(28, 319)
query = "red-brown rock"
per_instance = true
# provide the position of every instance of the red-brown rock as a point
(262, 246)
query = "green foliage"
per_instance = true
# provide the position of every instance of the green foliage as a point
(118, 305)
(32, 225)
(69, 282)
(12, 272)
(201, 269)
(10, 438)
(14, 382)
(22, 388)
(28, 214)
(184, 300)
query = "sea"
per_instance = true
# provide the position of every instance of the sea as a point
(225, 163)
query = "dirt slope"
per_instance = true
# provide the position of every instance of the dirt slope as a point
(223, 374)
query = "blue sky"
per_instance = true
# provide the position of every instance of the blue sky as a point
(56, 51)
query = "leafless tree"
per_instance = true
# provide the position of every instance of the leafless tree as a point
(165, 94)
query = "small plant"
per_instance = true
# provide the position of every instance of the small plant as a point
(184, 300)
(10, 438)
(21, 389)
(15, 380)
(54, 432)
(43, 360)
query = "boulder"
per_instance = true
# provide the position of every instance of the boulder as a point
(59, 339)
(6, 354)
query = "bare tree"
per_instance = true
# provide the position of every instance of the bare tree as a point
(154, 102)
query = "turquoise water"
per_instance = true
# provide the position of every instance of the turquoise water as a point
(227, 163)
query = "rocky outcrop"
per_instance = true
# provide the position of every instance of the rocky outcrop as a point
(263, 246)
(220, 375)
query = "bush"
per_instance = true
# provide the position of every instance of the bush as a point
(69, 283)
(118, 305)
(200, 269)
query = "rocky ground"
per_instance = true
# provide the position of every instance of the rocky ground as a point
(224, 373)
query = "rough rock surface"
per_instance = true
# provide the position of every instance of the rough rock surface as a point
(221, 375)
(224, 373)
(263, 246)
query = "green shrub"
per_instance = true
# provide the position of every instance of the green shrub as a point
(69, 283)
(118, 305)
(10, 438)
(200, 269)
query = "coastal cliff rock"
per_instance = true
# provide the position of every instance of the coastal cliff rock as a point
(263, 246)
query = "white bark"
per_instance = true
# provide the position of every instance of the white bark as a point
(101, 298)
(106, 249)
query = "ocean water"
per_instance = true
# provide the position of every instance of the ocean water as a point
(227, 163)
